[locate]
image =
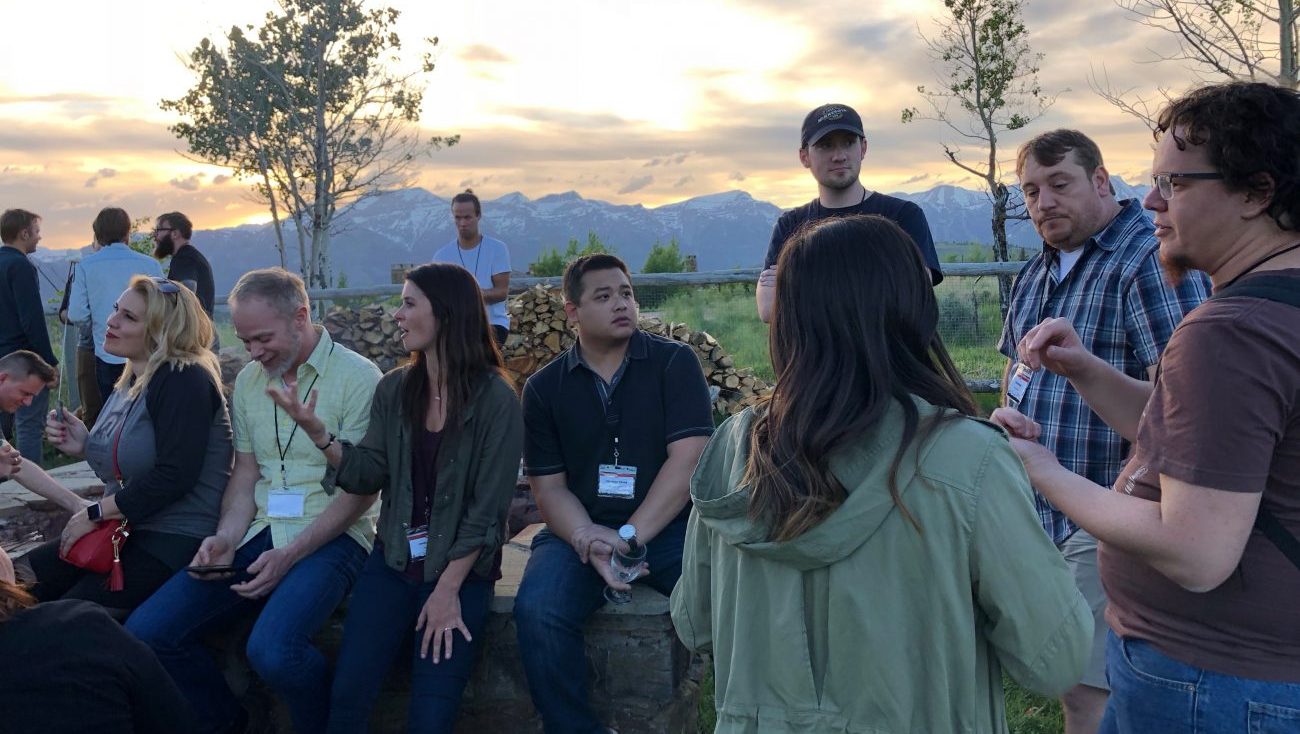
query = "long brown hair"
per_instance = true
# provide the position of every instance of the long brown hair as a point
(463, 342)
(13, 597)
(854, 331)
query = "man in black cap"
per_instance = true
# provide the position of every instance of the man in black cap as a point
(832, 148)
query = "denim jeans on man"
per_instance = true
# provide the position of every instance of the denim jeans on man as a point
(556, 597)
(174, 621)
(382, 613)
(1151, 692)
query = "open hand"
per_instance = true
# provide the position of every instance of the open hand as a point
(302, 413)
(440, 619)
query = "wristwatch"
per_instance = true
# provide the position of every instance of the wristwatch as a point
(95, 512)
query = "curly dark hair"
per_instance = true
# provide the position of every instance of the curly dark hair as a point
(1248, 129)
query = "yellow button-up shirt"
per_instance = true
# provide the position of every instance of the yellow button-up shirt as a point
(345, 383)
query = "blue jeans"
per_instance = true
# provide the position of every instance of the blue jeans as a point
(1152, 692)
(29, 427)
(556, 597)
(174, 621)
(381, 616)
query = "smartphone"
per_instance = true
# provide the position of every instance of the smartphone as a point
(214, 570)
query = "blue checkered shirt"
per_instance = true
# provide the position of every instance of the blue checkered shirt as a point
(1117, 299)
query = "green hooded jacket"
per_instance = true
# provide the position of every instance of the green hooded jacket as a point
(863, 624)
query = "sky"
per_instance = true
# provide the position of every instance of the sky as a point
(629, 101)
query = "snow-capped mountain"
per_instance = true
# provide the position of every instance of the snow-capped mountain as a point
(724, 230)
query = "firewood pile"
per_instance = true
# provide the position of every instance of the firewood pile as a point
(539, 332)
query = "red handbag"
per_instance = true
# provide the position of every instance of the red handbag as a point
(100, 551)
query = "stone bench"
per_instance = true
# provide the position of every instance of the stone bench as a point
(642, 679)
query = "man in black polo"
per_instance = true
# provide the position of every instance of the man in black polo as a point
(832, 146)
(614, 428)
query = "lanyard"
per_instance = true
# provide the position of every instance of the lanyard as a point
(275, 411)
(478, 254)
(1251, 269)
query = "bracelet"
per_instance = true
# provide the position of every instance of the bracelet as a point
(327, 444)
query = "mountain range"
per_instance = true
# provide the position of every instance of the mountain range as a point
(724, 230)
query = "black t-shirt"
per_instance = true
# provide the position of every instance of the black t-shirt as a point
(661, 398)
(68, 667)
(904, 213)
(190, 267)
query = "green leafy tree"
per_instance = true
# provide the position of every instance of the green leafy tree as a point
(551, 263)
(988, 86)
(316, 106)
(665, 259)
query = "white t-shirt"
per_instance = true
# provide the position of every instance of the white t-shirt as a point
(490, 257)
(1066, 261)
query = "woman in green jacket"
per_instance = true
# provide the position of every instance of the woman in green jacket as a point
(444, 442)
(863, 556)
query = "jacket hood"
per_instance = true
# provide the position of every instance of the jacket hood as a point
(722, 504)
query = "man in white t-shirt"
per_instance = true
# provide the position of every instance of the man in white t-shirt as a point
(487, 258)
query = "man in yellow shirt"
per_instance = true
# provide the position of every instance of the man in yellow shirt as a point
(288, 539)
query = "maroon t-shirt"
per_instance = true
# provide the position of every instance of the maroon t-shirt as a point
(1225, 414)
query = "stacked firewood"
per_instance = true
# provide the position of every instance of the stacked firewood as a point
(539, 332)
(370, 331)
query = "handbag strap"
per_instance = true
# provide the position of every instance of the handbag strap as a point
(117, 441)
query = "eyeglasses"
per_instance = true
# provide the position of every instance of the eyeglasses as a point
(164, 229)
(1164, 182)
(166, 286)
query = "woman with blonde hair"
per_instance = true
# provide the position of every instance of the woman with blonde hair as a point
(162, 446)
(879, 541)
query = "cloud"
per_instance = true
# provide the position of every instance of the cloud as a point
(483, 54)
(683, 181)
(636, 184)
(736, 176)
(100, 174)
(220, 179)
(918, 178)
(672, 160)
(188, 183)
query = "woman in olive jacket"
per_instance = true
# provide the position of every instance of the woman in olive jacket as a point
(445, 439)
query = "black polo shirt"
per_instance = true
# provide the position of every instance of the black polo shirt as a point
(661, 397)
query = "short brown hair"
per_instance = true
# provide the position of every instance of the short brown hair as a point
(13, 222)
(1051, 148)
(179, 222)
(23, 364)
(112, 225)
(282, 290)
(575, 271)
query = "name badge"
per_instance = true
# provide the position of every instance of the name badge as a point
(285, 502)
(617, 481)
(1018, 384)
(418, 541)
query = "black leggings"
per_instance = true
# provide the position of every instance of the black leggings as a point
(142, 574)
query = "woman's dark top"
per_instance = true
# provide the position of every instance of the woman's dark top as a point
(68, 667)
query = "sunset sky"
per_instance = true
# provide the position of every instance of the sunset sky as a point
(630, 101)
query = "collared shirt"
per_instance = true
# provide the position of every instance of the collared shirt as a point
(1124, 311)
(97, 282)
(660, 397)
(345, 383)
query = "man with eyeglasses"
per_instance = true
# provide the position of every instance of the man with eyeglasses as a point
(171, 238)
(1099, 268)
(1199, 551)
(832, 146)
(98, 280)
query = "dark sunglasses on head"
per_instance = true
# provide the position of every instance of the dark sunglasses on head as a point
(166, 286)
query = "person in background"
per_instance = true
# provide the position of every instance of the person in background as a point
(22, 321)
(98, 280)
(23, 375)
(69, 669)
(863, 555)
(486, 258)
(87, 386)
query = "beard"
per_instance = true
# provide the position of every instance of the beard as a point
(1176, 268)
(277, 369)
(164, 247)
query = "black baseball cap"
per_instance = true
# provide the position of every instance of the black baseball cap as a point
(829, 118)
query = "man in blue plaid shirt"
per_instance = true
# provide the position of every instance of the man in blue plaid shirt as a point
(1099, 269)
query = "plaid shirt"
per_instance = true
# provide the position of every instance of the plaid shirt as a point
(1118, 301)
